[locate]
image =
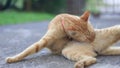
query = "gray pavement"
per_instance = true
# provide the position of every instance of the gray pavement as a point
(15, 38)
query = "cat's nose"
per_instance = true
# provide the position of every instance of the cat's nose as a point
(91, 38)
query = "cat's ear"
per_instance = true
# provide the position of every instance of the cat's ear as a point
(85, 15)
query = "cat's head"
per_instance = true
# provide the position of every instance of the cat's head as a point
(80, 28)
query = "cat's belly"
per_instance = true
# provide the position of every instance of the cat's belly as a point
(83, 49)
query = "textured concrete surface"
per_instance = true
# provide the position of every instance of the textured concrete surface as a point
(15, 38)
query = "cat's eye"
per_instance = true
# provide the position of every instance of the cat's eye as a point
(73, 33)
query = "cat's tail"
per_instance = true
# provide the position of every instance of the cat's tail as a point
(34, 48)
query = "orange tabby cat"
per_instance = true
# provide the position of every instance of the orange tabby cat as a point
(84, 53)
(60, 29)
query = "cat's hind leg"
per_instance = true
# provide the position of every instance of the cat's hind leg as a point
(111, 51)
(34, 48)
(85, 61)
(80, 57)
(30, 50)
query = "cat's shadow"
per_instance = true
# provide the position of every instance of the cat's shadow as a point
(48, 60)
(45, 56)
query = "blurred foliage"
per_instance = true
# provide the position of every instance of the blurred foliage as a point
(50, 6)
(19, 4)
(2, 2)
(93, 5)
(13, 17)
(14, 4)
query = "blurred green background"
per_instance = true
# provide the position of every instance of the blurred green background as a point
(25, 11)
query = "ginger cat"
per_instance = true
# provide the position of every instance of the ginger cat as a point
(84, 53)
(61, 30)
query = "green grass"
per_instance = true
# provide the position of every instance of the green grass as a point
(13, 17)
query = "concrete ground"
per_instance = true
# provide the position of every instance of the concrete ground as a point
(15, 38)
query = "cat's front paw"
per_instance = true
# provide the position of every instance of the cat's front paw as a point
(79, 64)
(11, 59)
